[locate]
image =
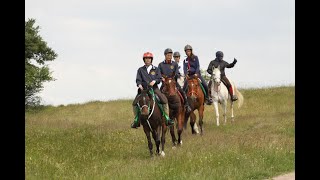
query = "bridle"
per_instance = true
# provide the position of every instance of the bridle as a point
(145, 105)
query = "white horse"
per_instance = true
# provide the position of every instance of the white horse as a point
(221, 95)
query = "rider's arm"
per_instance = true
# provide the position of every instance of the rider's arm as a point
(139, 77)
(209, 70)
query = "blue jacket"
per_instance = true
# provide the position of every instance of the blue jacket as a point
(193, 64)
(168, 69)
(144, 78)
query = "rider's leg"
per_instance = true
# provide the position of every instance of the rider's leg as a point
(185, 99)
(226, 81)
(209, 89)
(204, 84)
(164, 101)
(135, 110)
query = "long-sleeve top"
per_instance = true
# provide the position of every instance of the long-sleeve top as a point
(223, 64)
(144, 78)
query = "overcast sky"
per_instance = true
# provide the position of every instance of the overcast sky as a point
(100, 43)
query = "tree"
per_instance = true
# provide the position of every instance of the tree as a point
(36, 71)
(205, 75)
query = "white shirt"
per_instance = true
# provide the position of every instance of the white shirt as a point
(180, 67)
(149, 68)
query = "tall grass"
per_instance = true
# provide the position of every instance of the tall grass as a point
(95, 141)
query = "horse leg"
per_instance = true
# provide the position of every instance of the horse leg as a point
(155, 135)
(173, 136)
(224, 104)
(232, 116)
(163, 138)
(192, 121)
(200, 110)
(215, 104)
(147, 132)
(186, 117)
(180, 127)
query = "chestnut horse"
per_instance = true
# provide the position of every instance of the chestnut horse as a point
(176, 107)
(152, 120)
(196, 101)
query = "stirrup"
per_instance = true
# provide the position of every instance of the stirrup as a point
(234, 98)
(135, 126)
(169, 122)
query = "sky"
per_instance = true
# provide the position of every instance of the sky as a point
(100, 43)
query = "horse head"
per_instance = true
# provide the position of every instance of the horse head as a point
(193, 87)
(216, 75)
(144, 101)
(169, 84)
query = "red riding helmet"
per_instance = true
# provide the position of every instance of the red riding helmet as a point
(147, 55)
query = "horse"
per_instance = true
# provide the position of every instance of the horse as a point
(221, 95)
(152, 120)
(195, 97)
(176, 107)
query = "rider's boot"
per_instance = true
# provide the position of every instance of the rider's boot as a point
(233, 96)
(169, 121)
(136, 122)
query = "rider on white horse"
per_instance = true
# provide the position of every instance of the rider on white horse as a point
(223, 64)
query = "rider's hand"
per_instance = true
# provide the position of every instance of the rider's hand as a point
(152, 83)
(140, 86)
(163, 79)
(234, 61)
(196, 75)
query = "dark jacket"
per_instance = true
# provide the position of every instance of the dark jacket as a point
(191, 64)
(168, 69)
(144, 78)
(223, 64)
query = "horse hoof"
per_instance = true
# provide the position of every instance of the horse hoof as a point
(174, 147)
(162, 154)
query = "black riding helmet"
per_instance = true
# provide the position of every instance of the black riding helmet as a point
(168, 50)
(176, 54)
(187, 47)
(219, 54)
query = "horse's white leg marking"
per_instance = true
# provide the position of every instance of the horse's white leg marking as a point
(195, 128)
(224, 104)
(232, 116)
(215, 104)
(162, 153)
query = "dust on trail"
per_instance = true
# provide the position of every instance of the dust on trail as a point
(289, 176)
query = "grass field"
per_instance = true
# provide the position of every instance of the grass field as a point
(94, 141)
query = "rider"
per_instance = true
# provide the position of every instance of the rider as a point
(176, 57)
(168, 68)
(223, 64)
(149, 75)
(191, 66)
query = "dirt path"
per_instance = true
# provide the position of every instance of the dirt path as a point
(289, 176)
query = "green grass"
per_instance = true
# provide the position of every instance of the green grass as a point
(95, 141)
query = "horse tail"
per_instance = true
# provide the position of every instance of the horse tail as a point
(240, 97)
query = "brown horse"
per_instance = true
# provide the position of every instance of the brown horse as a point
(176, 108)
(196, 101)
(152, 120)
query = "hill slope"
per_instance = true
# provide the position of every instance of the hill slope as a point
(94, 140)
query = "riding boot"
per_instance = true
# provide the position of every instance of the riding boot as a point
(169, 121)
(233, 96)
(209, 89)
(186, 103)
(136, 122)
